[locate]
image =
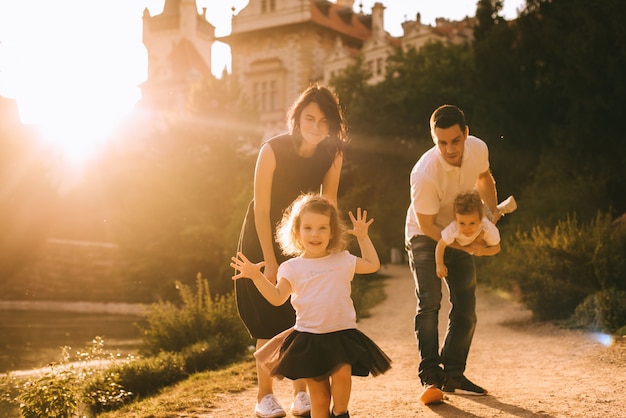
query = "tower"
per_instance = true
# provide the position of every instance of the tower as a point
(178, 42)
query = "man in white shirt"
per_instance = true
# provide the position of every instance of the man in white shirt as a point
(457, 163)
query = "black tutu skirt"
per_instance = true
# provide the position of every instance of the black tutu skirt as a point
(295, 355)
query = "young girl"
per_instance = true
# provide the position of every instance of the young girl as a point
(324, 347)
(470, 225)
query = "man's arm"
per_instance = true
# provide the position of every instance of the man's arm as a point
(428, 226)
(486, 187)
(489, 250)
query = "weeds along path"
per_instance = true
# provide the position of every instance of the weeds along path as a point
(530, 369)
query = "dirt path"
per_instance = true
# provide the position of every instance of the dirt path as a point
(531, 370)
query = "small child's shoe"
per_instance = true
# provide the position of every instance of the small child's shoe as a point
(269, 408)
(508, 205)
(301, 406)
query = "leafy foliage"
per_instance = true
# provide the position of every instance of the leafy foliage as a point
(145, 376)
(415, 83)
(557, 268)
(77, 384)
(603, 311)
(200, 319)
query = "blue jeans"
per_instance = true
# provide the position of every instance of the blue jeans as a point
(461, 282)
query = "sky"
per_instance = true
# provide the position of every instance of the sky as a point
(75, 66)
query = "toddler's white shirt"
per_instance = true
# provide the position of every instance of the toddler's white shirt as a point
(451, 233)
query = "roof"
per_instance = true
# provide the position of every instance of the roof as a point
(322, 13)
(340, 19)
(185, 57)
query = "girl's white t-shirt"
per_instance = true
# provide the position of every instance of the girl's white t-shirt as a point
(451, 233)
(320, 291)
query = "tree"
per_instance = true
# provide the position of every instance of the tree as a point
(573, 56)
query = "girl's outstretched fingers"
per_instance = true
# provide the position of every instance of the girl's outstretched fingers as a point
(238, 262)
(244, 266)
(360, 224)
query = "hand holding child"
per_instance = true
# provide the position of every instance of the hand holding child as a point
(477, 246)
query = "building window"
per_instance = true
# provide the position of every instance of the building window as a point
(266, 95)
(267, 87)
(268, 6)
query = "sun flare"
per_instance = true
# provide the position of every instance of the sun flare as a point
(73, 117)
(75, 79)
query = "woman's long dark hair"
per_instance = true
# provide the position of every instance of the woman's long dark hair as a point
(329, 105)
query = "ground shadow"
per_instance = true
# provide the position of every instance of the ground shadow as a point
(450, 411)
(447, 410)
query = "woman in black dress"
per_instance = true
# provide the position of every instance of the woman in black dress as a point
(306, 159)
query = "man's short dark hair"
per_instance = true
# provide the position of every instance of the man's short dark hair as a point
(446, 116)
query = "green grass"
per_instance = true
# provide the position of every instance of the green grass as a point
(198, 392)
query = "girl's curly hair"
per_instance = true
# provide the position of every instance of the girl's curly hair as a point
(287, 232)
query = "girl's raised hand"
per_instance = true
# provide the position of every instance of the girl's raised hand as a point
(246, 268)
(360, 224)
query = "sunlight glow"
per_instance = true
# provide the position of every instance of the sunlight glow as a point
(604, 339)
(73, 79)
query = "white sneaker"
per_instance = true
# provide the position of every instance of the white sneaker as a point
(301, 405)
(269, 408)
(508, 205)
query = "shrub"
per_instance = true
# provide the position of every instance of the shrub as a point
(557, 268)
(603, 311)
(367, 292)
(80, 382)
(54, 394)
(173, 328)
(204, 355)
(226, 326)
(145, 376)
(10, 388)
(104, 393)
(98, 382)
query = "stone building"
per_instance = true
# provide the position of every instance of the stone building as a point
(278, 48)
